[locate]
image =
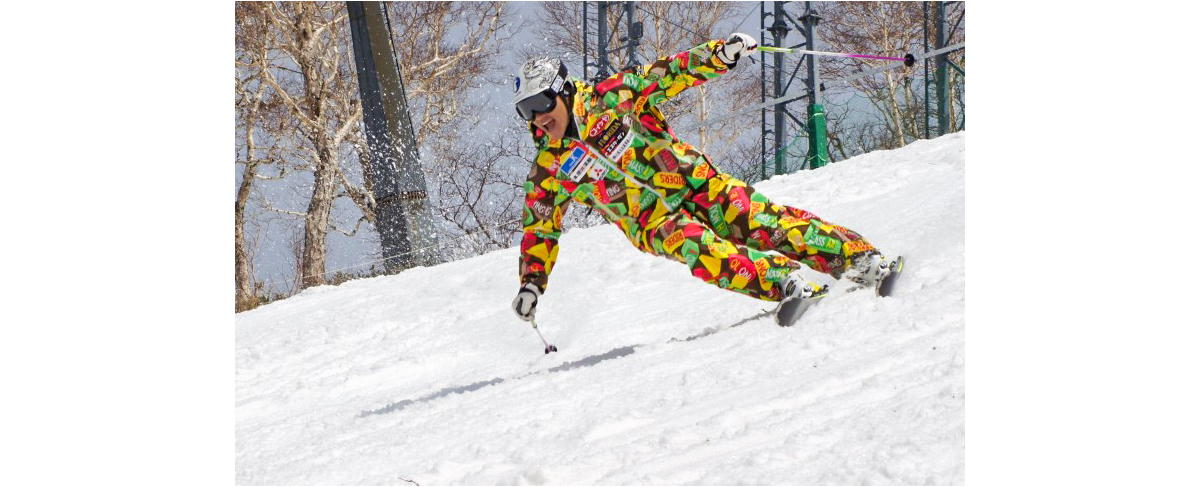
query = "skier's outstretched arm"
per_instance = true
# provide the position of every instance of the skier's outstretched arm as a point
(545, 204)
(649, 85)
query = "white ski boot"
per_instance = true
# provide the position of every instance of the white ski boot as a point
(798, 296)
(872, 270)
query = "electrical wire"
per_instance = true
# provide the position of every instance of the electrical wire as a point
(652, 14)
(825, 86)
(697, 34)
(744, 19)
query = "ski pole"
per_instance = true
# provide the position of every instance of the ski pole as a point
(549, 347)
(908, 59)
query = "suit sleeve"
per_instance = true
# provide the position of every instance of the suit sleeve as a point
(646, 86)
(545, 203)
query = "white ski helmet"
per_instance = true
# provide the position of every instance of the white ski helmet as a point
(539, 81)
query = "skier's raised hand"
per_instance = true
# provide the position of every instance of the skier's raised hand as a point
(526, 301)
(737, 46)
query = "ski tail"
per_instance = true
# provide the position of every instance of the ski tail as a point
(791, 307)
(888, 283)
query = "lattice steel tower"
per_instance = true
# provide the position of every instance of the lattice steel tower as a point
(596, 35)
(779, 78)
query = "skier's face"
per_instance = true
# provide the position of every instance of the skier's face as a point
(553, 122)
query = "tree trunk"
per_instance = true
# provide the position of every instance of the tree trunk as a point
(950, 97)
(316, 219)
(894, 106)
(244, 283)
(241, 261)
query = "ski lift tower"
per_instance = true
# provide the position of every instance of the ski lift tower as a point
(403, 218)
(779, 78)
(596, 34)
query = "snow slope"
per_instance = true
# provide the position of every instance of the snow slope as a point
(427, 376)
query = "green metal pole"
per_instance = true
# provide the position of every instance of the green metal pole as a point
(942, 78)
(818, 150)
(762, 66)
(925, 62)
(779, 31)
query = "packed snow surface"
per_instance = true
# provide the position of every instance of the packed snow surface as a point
(427, 376)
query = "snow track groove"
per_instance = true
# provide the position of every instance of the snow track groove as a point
(659, 380)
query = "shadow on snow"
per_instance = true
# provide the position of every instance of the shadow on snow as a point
(584, 362)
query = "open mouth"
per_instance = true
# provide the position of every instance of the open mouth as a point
(549, 126)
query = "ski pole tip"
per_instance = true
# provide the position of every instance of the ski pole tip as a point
(909, 59)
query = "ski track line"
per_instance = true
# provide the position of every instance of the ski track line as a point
(653, 350)
(303, 456)
(837, 381)
(849, 386)
(860, 391)
(588, 361)
(701, 414)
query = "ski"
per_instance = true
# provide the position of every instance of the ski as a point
(790, 310)
(889, 281)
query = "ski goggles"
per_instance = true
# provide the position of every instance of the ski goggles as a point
(539, 103)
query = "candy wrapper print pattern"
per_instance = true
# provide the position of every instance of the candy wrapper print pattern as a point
(667, 197)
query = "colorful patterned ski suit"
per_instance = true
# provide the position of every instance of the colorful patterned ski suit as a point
(665, 195)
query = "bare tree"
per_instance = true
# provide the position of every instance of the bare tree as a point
(956, 16)
(445, 48)
(297, 88)
(448, 54)
(258, 114)
(480, 194)
(669, 28)
(888, 28)
(682, 25)
(559, 23)
(250, 41)
(318, 93)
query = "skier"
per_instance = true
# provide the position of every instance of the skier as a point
(610, 148)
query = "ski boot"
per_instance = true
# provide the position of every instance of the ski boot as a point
(872, 270)
(889, 281)
(798, 296)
